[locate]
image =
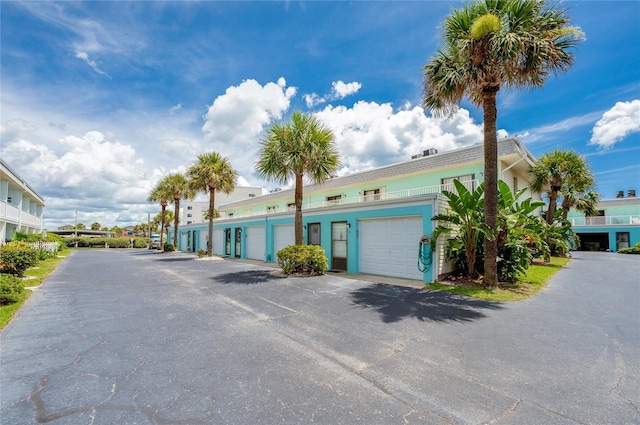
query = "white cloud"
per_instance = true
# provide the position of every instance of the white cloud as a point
(95, 176)
(235, 121)
(85, 57)
(617, 123)
(313, 99)
(175, 108)
(371, 135)
(340, 90)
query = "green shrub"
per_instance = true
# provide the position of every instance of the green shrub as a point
(11, 288)
(168, 247)
(17, 256)
(631, 250)
(305, 259)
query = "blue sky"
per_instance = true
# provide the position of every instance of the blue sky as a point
(101, 99)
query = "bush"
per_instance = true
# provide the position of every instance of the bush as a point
(631, 250)
(16, 257)
(305, 259)
(168, 247)
(11, 288)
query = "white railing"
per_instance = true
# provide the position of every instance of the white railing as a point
(399, 194)
(606, 220)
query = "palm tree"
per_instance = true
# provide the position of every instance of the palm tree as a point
(212, 173)
(177, 187)
(563, 174)
(302, 147)
(160, 193)
(487, 45)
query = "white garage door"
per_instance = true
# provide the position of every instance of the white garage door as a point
(389, 247)
(218, 242)
(283, 236)
(204, 234)
(256, 243)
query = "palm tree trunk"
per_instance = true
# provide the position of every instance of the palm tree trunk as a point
(490, 184)
(164, 210)
(212, 202)
(298, 219)
(176, 218)
(553, 198)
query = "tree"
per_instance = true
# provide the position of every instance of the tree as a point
(212, 173)
(161, 193)
(95, 226)
(177, 187)
(487, 45)
(564, 174)
(302, 147)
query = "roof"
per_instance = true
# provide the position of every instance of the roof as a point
(4, 167)
(631, 200)
(468, 154)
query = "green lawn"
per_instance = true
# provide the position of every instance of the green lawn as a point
(531, 283)
(38, 274)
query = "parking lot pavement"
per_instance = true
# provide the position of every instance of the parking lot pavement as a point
(136, 337)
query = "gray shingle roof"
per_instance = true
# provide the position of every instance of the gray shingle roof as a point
(460, 156)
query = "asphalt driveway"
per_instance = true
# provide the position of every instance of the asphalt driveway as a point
(138, 337)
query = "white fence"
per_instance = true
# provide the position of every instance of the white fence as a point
(45, 246)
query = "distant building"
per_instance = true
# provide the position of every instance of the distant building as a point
(193, 212)
(21, 208)
(616, 224)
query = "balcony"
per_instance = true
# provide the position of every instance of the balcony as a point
(608, 220)
(11, 214)
(400, 194)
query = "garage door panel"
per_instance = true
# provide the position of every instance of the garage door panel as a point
(218, 242)
(283, 236)
(255, 241)
(389, 247)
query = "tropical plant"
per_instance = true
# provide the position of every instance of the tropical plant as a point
(564, 174)
(463, 223)
(209, 174)
(177, 187)
(302, 147)
(487, 45)
(518, 232)
(95, 226)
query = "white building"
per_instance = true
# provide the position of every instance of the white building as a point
(193, 212)
(21, 207)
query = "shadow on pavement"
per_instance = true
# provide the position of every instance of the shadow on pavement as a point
(395, 303)
(248, 277)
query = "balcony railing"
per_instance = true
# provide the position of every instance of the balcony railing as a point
(12, 214)
(607, 220)
(399, 194)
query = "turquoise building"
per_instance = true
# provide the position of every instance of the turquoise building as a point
(375, 222)
(616, 225)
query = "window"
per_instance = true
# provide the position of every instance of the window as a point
(334, 200)
(188, 215)
(371, 195)
(189, 222)
(252, 195)
(272, 208)
(189, 208)
(467, 180)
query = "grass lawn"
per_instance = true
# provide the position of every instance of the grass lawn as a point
(38, 274)
(531, 283)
